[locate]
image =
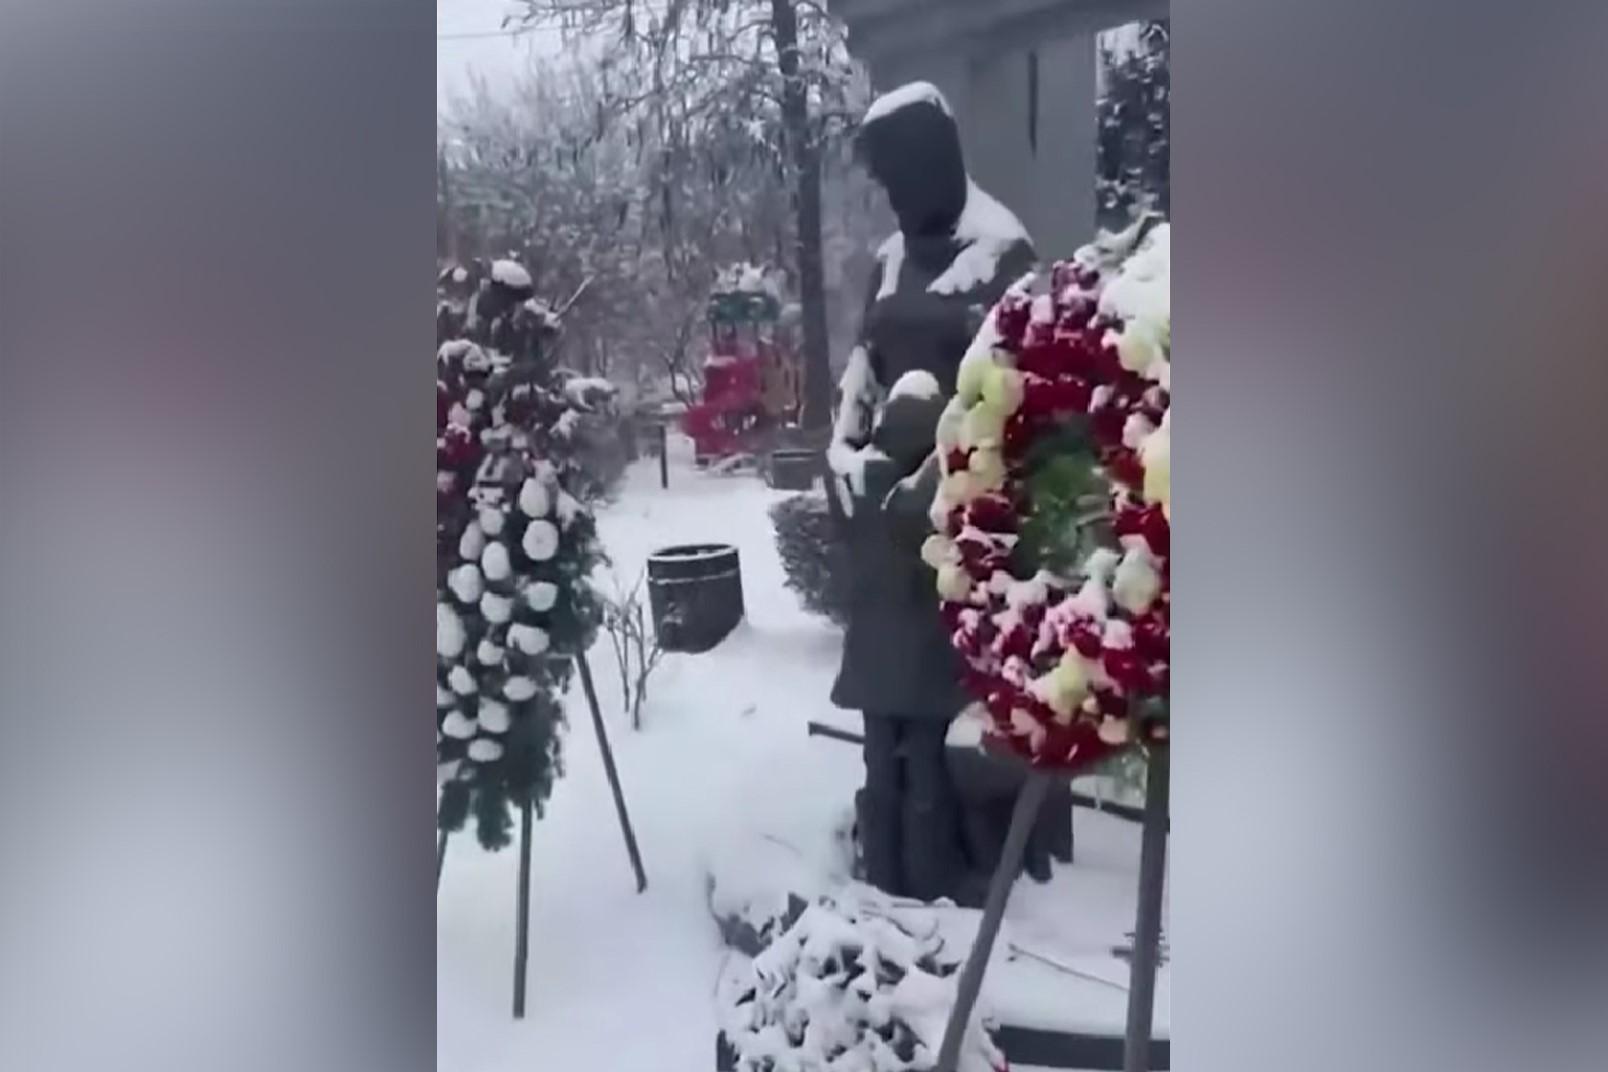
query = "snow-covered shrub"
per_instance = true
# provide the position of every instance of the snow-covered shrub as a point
(846, 990)
(598, 434)
(813, 554)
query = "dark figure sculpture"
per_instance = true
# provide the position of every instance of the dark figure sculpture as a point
(956, 251)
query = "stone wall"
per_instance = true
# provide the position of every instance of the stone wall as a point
(1033, 149)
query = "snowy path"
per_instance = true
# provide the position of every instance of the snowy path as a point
(625, 982)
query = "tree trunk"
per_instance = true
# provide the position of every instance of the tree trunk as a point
(817, 412)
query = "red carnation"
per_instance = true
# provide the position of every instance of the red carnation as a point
(1084, 638)
(1123, 467)
(1018, 435)
(1018, 643)
(457, 448)
(991, 513)
(1111, 703)
(1150, 639)
(1147, 522)
(1128, 670)
(443, 404)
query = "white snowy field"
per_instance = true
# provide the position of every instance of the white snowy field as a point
(626, 982)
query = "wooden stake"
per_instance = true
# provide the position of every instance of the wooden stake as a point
(1147, 925)
(1028, 803)
(664, 455)
(614, 775)
(522, 922)
(441, 856)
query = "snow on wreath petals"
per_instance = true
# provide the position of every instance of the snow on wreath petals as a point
(1070, 660)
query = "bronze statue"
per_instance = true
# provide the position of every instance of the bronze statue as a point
(955, 252)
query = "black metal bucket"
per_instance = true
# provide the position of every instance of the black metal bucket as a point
(792, 469)
(695, 592)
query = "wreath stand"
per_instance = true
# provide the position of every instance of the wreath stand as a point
(1147, 925)
(522, 919)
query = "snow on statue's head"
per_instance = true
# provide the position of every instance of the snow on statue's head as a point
(911, 145)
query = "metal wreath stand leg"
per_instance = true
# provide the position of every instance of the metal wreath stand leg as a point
(1028, 803)
(1147, 927)
(522, 905)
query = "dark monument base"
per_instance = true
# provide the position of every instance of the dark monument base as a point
(1033, 1047)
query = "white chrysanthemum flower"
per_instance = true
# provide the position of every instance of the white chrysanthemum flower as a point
(534, 498)
(988, 466)
(541, 595)
(495, 717)
(488, 653)
(971, 374)
(494, 561)
(471, 542)
(530, 639)
(1138, 346)
(519, 688)
(938, 551)
(1064, 687)
(458, 726)
(953, 583)
(485, 750)
(950, 425)
(491, 521)
(1003, 389)
(984, 425)
(461, 681)
(540, 541)
(465, 582)
(449, 632)
(1033, 592)
(960, 488)
(496, 608)
(1155, 454)
(1136, 583)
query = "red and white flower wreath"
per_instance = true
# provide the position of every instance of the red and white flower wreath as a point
(1069, 669)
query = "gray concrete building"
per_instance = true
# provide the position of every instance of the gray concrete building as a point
(1020, 77)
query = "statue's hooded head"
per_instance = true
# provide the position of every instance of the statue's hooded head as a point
(911, 145)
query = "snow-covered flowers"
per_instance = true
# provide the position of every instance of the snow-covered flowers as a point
(1066, 667)
(465, 582)
(540, 541)
(534, 498)
(449, 632)
(512, 543)
(494, 562)
(1155, 454)
(540, 595)
(843, 988)
(530, 639)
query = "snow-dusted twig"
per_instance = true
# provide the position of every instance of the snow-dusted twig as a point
(637, 649)
(1050, 962)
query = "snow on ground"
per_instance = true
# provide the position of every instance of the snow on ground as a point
(626, 982)
(723, 748)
